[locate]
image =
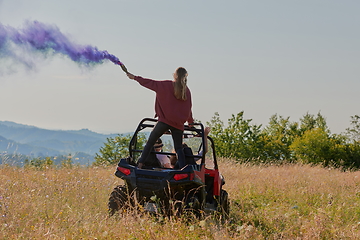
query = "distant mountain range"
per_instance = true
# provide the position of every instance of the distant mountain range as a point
(36, 142)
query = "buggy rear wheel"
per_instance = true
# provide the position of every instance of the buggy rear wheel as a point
(118, 199)
(193, 205)
(189, 204)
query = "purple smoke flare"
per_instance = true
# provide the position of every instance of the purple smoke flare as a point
(37, 37)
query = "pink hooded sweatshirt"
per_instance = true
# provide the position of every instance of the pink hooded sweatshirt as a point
(168, 108)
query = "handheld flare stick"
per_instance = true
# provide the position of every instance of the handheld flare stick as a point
(123, 67)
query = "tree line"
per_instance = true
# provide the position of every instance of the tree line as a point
(308, 141)
(282, 141)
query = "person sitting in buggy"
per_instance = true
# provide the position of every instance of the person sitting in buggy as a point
(163, 159)
(157, 160)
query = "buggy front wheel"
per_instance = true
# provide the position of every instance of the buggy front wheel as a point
(224, 207)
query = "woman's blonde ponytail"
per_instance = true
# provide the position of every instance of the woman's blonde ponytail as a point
(180, 77)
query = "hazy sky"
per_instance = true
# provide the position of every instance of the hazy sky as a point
(285, 57)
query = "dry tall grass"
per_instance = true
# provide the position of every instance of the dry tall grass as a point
(267, 202)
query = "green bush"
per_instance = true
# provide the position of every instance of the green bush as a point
(115, 149)
(39, 163)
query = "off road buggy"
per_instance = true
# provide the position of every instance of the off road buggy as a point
(197, 187)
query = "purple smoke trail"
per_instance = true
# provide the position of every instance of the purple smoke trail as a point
(48, 40)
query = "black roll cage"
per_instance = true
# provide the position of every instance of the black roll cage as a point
(193, 130)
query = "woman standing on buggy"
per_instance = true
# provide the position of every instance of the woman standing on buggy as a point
(172, 107)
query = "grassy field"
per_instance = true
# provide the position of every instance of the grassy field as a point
(267, 202)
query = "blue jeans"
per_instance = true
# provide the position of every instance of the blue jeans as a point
(157, 132)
